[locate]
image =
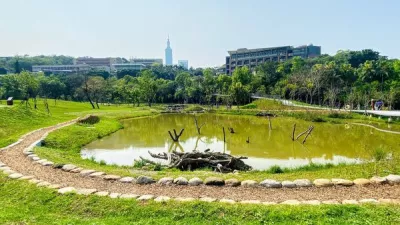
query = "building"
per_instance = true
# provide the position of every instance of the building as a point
(168, 54)
(253, 57)
(146, 62)
(57, 69)
(98, 63)
(128, 66)
(184, 64)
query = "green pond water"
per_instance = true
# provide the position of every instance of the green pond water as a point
(328, 143)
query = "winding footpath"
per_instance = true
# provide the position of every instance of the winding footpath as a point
(19, 162)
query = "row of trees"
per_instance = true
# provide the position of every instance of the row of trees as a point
(347, 78)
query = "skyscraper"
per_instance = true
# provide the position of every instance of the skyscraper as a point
(168, 54)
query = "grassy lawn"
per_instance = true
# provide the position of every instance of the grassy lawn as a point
(24, 203)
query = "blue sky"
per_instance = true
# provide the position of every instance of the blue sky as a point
(201, 31)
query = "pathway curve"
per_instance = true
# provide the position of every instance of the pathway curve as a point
(14, 158)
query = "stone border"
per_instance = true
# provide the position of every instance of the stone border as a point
(86, 192)
(214, 181)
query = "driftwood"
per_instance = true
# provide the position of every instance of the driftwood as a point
(176, 136)
(197, 125)
(294, 131)
(221, 162)
(308, 133)
(223, 131)
(302, 133)
(248, 140)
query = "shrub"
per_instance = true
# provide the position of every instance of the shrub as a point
(249, 106)
(275, 169)
(90, 120)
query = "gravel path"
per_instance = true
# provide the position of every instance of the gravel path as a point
(14, 158)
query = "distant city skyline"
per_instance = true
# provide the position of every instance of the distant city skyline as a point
(202, 31)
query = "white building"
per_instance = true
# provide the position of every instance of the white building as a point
(184, 64)
(128, 66)
(61, 68)
(146, 62)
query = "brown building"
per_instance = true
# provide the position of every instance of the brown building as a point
(253, 57)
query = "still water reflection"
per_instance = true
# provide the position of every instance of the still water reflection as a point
(328, 143)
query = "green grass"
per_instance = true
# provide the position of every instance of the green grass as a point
(24, 203)
(19, 119)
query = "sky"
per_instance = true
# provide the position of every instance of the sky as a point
(201, 31)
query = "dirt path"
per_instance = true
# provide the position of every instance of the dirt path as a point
(15, 159)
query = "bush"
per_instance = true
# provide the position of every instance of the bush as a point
(249, 106)
(90, 120)
(275, 169)
(195, 108)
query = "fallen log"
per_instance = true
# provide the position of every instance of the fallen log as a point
(220, 162)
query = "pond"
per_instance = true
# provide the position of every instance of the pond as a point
(328, 143)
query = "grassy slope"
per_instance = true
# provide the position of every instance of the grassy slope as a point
(24, 203)
(18, 120)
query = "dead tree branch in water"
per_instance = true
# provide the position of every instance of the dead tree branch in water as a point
(223, 131)
(294, 131)
(308, 133)
(197, 125)
(176, 136)
(302, 133)
(231, 130)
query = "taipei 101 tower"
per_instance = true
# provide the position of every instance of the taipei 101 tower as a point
(168, 54)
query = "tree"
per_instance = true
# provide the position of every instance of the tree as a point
(148, 86)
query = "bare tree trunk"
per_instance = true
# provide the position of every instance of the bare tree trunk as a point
(197, 125)
(294, 130)
(223, 131)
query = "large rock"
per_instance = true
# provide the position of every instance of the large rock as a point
(145, 197)
(207, 199)
(362, 181)
(114, 195)
(162, 199)
(111, 177)
(251, 202)
(330, 202)
(127, 180)
(5, 168)
(15, 175)
(350, 202)
(323, 183)
(288, 184)
(291, 202)
(8, 172)
(128, 196)
(85, 191)
(97, 174)
(229, 201)
(393, 179)
(102, 193)
(232, 182)
(378, 180)
(76, 170)
(43, 184)
(214, 181)
(369, 201)
(268, 183)
(67, 190)
(68, 167)
(145, 180)
(195, 181)
(311, 202)
(26, 178)
(185, 199)
(248, 183)
(181, 181)
(166, 181)
(342, 182)
(47, 163)
(85, 173)
(303, 183)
